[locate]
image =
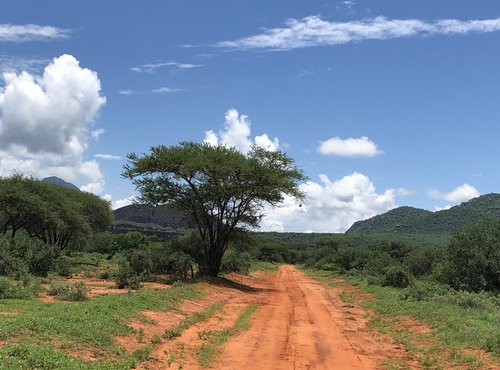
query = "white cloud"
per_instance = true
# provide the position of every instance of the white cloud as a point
(330, 206)
(160, 90)
(153, 67)
(9, 63)
(461, 193)
(127, 92)
(93, 187)
(45, 121)
(361, 147)
(236, 133)
(123, 202)
(31, 32)
(314, 31)
(97, 133)
(107, 156)
(446, 207)
(165, 90)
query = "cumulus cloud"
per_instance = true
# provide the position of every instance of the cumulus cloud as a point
(45, 121)
(153, 67)
(237, 133)
(330, 206)
(361, 147)
(123, 202)
(314, 31)
(31, 32)
(461, 193)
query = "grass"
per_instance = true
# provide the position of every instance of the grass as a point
(39, 329)
(216, 338)
(268, 267)
(453, 328)
(346, 297)
(191, 320)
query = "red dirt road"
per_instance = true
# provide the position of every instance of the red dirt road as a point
(303, 324)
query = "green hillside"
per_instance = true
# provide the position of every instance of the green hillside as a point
(413, 220)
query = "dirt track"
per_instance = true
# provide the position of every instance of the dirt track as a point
(300, 324)
(303, 324)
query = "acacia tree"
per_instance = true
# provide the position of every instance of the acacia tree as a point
(56, 215)
(223, 190)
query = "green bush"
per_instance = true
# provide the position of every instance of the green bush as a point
(481, 300)
(425, 290)
(69, 292)
(18, 289)
(109, 243)
(141, 262)
(473, 258)
(397, 276)
(23, 255)
(126, 277)
(236, 262)
(62, 266)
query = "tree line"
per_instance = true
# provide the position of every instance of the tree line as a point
(56, 215)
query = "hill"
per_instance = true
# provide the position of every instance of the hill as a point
(413, 220)
(159, 222)
(57, 181)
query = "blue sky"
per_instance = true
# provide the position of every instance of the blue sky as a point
(382, 104)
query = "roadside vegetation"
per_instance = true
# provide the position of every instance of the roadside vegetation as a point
(454, 290)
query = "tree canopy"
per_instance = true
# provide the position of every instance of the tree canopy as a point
(473, 257)
(222, 189)
(54, 214)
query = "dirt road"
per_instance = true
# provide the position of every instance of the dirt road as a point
(303, 324)
(300, 324)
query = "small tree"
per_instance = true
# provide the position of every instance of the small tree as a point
(222, 189)
(331, 242)
(473, 257)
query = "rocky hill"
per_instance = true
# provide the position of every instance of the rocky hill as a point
(414, 220)
(57, 181)
(159, 222)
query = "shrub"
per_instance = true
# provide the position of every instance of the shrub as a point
(23, 255)
(113, 243)
(18, 290)
(481, 300)
(425, 290)
(236, 262)
(473, 258)
(62, 266)
(69, 292)
(141, 262)
(397, 276)
(126, 277)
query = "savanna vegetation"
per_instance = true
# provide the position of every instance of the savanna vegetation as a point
(49, 233)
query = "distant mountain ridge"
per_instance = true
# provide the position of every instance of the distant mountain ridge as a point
(159, 222)
(58, 181)
(414, 220)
